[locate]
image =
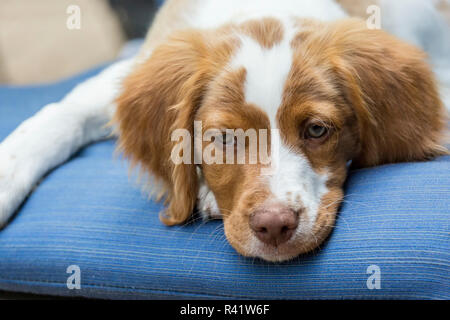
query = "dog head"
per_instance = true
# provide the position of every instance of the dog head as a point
(314, 96)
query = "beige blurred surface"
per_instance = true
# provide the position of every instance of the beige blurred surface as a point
(444, 8)
(36, 46)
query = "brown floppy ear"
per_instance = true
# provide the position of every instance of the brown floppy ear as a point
(161, 95)
(392, 91)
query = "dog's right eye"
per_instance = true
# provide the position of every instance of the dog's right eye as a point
(226, 139)
(315, 131)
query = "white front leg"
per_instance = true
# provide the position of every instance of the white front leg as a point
(52, 135)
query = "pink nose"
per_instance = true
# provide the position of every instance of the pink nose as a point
(274, 224)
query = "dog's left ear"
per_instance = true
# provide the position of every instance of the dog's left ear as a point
(392, 91)
(160, 96)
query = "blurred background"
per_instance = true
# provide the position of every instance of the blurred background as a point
(37, 46)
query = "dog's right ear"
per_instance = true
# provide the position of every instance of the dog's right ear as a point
(162, 94)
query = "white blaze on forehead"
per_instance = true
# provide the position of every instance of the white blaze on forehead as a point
(266, 72)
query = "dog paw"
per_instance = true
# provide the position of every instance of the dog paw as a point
(207, 204)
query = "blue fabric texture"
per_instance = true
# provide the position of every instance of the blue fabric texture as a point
(88, 213)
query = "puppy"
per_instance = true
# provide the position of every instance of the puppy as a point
(321, 90)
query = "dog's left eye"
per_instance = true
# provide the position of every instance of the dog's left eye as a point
(315, 131)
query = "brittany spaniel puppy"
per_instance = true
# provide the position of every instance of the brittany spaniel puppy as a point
(323, 89)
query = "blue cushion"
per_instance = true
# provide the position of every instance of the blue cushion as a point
(88, 213)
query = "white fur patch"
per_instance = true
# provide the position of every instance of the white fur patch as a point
(206, 201)
(211, 14)
(266, 72)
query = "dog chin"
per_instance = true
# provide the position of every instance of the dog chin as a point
(285, 252)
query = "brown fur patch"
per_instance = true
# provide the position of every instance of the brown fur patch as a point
(162, 95)
(267, 31)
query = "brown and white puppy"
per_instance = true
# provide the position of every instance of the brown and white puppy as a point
(318, 88)
(334, 92)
